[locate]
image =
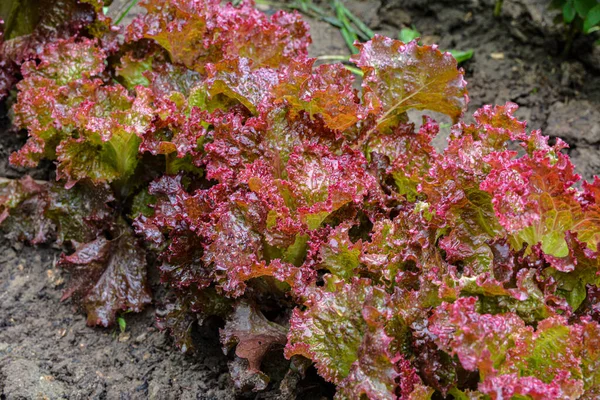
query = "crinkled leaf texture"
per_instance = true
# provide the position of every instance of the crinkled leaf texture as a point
(342, 331)
(199, 32)
(402, 76)
(253, 336)
(93, 130)
(108, 276)
(28, 25)
(39, 212)
(304, 213)
(512, 358)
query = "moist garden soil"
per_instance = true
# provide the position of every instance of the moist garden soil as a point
(47, 351)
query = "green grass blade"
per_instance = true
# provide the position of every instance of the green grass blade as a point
(360, 24)
(124, 13)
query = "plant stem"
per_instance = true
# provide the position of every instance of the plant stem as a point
(348, 32)
(569, 42)
(498, 8)
(354, 70)
(12, 16)
(361, 25)
(124, 13)
(334, 57)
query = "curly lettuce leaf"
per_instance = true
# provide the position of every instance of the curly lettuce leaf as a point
(534, 198)
(108, 276)
(253, 336)
(40, 212)
(341, 330)
(399, 77)
(509, 354)
(93, 130)
(22, 206)
(327, 92)
(203, 32)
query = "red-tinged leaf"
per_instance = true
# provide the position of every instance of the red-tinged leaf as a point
(411, 387)
(8, 70)
(204, 32)
(333, 327)
(237, 80)
(65, 61)
(235, 142)
(133, 70)
(500, 345)
(573, 273)
(338, 254)
(80, 213)
(420, 392)
(281, 224)
(41, 212)
(30, 24)
(399, 77)
(271, 43)
(555, 352)
(529, 387)
(298, 38)
(182, 28)
(178, 133)
(410, 154)
(232, 242)
(182, 265)
(481, 342)
(401, 248)
(534, 199)
(328, 92)
(438, 369)
(236, 251)
(92, 129)
(590, 357)
(587, 229)
(373, 375)
(454, 184)
(22, 206)
(528, 299)
(460, 167)
(168, 230)
(325, 182)
(46, 111)
(115, 159)
(166, 78)
(108, 276)
(253, 336)
(272, 135)
(496, 124)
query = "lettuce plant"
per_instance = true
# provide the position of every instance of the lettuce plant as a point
(315, 220)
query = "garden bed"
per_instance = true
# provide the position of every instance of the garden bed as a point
(47, 350)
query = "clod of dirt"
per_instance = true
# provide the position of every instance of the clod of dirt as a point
(577, 122)
(23, 379)
(586, 160)
(396, 17)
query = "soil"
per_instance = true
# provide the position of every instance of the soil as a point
(47, 351)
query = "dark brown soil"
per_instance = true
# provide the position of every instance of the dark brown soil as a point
(46, 351)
